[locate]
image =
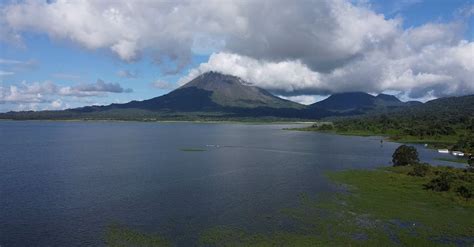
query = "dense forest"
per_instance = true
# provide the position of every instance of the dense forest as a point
(445, 122)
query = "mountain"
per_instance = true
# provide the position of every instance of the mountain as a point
(387, 98)
(208, 92)
(231, 91)
(360, 103)
(344, 102)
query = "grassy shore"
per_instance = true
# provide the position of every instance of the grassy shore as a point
(383, 207)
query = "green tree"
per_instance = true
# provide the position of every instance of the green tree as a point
(405, 155)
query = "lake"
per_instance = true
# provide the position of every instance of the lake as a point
(63, 183)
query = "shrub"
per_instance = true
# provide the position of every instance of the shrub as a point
(326, 127)
(464, 192)
(420, 170)
(470, 162)
(442, 182)
(405, 155)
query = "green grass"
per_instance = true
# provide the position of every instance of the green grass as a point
(385, 207)
(391, 194)
(456, 160)
(192, 149)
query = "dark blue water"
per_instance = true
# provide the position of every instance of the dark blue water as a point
(62, 183)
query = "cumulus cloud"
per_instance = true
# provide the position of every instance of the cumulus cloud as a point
(127, 28)
(283, 77)
(99, 87)
(441, 67)
(323, 34)
(58, 104)
(291, 48)
(44, 92)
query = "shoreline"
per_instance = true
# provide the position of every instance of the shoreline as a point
(262, 122)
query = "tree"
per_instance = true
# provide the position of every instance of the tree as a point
(405, 155)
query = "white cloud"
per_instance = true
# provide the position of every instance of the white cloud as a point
(440, 67)
(98, 87)
(127, 28)
(57, 104)
(9, 61)
(6, 73)
(322, 34)
(287, 76)
(304, 99)
(288, 47)
(43, 92)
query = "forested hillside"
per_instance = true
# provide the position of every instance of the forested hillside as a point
(445, 122)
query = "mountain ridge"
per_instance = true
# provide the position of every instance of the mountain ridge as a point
(360, 102)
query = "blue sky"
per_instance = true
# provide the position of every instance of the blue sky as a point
(69, 64)
(43, 55)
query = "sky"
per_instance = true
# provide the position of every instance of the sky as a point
(71, 53)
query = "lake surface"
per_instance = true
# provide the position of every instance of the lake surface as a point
(63, 183)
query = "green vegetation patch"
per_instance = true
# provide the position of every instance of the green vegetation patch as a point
(117, 236)
(385, 207)
(391, 193)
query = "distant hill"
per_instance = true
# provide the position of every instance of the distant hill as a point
(444, 122)
(360, 103)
